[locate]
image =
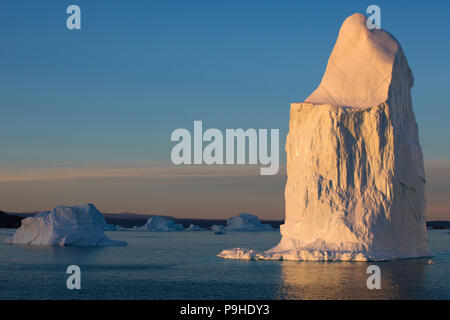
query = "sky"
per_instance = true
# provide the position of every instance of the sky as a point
(86, 115)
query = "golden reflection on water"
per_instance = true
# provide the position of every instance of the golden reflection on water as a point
(347, 280)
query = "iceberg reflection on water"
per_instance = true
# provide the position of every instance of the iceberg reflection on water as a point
(332, 280)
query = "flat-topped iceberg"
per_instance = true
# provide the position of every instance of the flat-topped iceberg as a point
(65, 226)
(246, 222)
(157, 223)
(355, 174)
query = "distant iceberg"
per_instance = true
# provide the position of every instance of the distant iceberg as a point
(157, 223)
(118, 227)
(246, 222)
(109, 227)
(194, 227)
(81, 225)
(218, 229)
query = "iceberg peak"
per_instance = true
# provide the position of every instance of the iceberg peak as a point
(360, 69)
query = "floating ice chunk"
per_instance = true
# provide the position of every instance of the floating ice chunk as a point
(65, 226)
(109, 227)
(157, 223)
(218, 229)
(238, 253)
(194, 227)
(246, 222)
(121, 228)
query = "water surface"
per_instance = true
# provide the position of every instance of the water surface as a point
(183, 265)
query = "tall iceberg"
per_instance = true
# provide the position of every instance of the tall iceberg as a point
(81, 225)
(355, 187)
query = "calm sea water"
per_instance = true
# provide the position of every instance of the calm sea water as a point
(183, 265)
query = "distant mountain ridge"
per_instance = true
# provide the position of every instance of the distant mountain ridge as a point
(9, 221)
(438, 224)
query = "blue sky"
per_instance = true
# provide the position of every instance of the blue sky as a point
(112, 93)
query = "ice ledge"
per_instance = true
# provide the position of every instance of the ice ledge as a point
(319, 255)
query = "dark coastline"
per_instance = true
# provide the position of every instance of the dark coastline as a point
(129, 220)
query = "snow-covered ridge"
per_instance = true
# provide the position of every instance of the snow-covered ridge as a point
(356, 181)
(81, 225)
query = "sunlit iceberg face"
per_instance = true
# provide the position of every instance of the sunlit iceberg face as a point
(356, 183)
(359, 70)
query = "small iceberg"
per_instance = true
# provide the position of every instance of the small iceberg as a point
(118, 227)
(81, 225)
(109, 227)
(157, 223)
(218, 229)
(194, 227)
(247, 222)
(238, 253)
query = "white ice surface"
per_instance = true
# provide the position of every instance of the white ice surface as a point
(246, 222)
(356, 182)
(65, 226)
(157, 223)
(359, 70)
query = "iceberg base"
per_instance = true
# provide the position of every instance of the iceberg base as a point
(285, 251)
